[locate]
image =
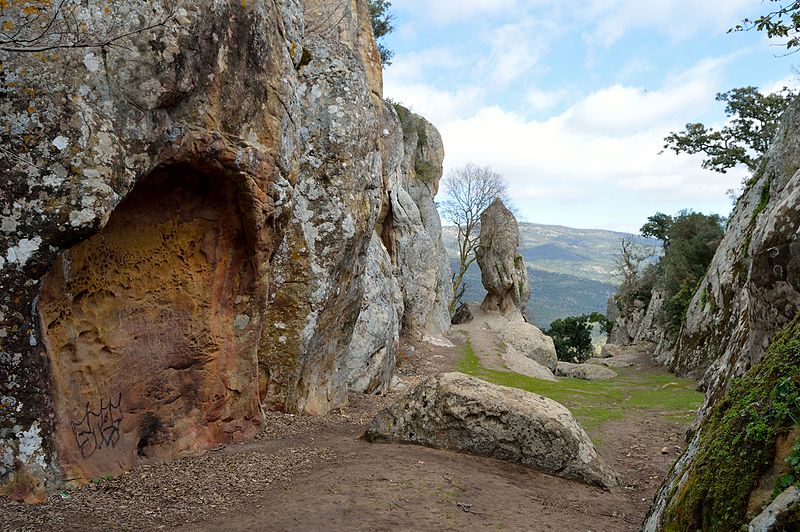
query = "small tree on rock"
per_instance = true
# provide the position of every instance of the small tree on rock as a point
(382, 25)
(754, 120)
(470, 190)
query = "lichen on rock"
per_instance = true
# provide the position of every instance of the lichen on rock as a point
(195, 221)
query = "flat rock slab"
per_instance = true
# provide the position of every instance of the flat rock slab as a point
(519, 363)
(587, 372)
(460, 413)
(613, 362)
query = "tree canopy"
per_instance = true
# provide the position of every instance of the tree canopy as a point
(657, 226)
(694, 238)
(783, 21)
(753, 121)
(572, 335)
(382, 25)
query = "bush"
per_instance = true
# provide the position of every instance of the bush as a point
(693, 239)
(572, 336)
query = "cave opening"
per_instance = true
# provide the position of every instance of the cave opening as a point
(151, 328)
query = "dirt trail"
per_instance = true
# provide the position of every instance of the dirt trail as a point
(318, 474)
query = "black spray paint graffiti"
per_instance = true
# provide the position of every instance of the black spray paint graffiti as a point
(99, 429)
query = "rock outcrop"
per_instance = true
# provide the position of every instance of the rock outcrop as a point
(750, 293)
(503, 269)
(513, 333)
(173, 263)
(460, 413)
(587, 372)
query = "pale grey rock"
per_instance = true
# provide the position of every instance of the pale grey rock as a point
(370, 360)
(611, 362)
(513, 331)
(503, 270)
(751, 290)
(530, 341)
(412, 173)
(767, 520)
(317, 290)
(519, 363)
(588, 372)
(460, 413)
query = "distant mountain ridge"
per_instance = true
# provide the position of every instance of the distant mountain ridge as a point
(572, 270)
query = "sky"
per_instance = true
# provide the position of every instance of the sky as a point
(570, 100)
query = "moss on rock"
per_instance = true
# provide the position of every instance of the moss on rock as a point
(737, 442)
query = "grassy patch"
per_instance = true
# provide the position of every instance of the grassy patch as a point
(598, 402)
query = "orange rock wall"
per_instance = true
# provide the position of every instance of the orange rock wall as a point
(151, 328)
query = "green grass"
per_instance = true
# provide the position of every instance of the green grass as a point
(595, 403)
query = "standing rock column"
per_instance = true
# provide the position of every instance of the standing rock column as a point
(503, 270)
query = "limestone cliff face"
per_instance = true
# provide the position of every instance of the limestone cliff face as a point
(196, 221)
(750, 293)
(752, 289)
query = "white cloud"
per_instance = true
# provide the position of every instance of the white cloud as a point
(791, 82)
(601, 150)
(449, 11)
(680, 19)
(620, 109)
(438, 106)
(543, 100)
(517, 49)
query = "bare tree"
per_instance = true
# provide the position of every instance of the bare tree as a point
(629, 267)
(470, 190)
(66, 24)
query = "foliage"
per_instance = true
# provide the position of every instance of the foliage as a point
(693, 238)
(572, 335)
(782, 22)
(657, 226)
(382, 25)
(470, 190)
(737, 441)
(636, 277)
(754, 120)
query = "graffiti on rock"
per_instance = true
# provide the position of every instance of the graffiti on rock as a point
(99, 430)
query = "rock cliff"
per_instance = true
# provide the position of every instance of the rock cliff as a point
(215, 215)
(750, 293)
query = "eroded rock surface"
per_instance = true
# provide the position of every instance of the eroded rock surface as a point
(503, 269)
(460, 413)
(749, 294)
(206, 214)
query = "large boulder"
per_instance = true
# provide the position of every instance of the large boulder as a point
(530, 341)
(503, 269)
(514, 332)
(587, 372)
(519, 363)
(460, 413)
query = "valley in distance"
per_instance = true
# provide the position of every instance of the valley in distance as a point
(572, 270)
